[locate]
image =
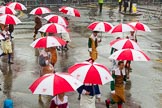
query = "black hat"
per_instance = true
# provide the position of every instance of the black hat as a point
(95, 32)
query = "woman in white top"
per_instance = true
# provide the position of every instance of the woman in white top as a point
(59, 101)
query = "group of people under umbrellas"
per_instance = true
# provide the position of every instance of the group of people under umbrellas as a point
(84, 77)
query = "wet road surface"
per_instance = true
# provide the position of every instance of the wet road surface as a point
(144, 90)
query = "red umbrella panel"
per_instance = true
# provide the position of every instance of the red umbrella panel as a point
(93, 73)
(70, 11)
(53, 84)
(100, 26)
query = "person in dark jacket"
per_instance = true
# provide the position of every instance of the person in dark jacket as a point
(89, 93)
(120, 5)
(125, 5)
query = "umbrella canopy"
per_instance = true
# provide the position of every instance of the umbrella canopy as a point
(124, 44)
(16, 6)
(100, 26)
(53, 28)
(56, 19)
(53, 84)
(140, 26)
(129, 54)
(7, 10)
(93, 73)
(48, 41)
(9, 19)
(122, 28)
(40, 11)
(70, 11)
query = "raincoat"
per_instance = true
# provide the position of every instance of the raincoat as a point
(118, 85)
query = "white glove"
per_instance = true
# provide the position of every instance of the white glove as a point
(90, 49)
(113, 92)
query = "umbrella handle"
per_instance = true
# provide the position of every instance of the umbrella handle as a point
(135, 36)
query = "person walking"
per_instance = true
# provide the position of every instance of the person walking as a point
(117, 86)
(120, 5)
(92, 45)
(125, 5)
(6, 44)
(44, 62)
(88, 93)
(38, 25)
(59, 101)
(130, 6)
(100, 2)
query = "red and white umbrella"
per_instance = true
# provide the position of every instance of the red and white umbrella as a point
(70, 11)
(16, 6)
(124, 44)
(7, 10)
(129, 54)
(53, 84)
(53, 28)
(48, 41)
(122, 28)
(9, 19)
(40, 11)
(56, 19)
(100, 26)
(93, 73)
(140, 26)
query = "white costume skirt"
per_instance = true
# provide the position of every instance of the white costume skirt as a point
(87, 101)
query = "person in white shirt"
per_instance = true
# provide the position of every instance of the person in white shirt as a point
(92, 45)
(59, 101)
(6, 44)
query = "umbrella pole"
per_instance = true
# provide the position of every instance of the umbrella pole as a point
(135, 36)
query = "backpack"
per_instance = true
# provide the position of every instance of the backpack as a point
(42, 61)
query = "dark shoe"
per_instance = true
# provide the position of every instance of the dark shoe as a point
(107, 103)
(10, 63)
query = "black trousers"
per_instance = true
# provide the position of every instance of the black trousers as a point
(100, 6)
(130, 9)
(120, 6)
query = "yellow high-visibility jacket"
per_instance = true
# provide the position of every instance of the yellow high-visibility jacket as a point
(100, 1)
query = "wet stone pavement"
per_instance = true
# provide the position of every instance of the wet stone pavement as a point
(143, 91)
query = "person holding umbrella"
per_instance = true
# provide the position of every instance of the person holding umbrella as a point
(117, 86)
(38, 25)
(59, 101)
(89, 92)
(6, 44)
(92, 45)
